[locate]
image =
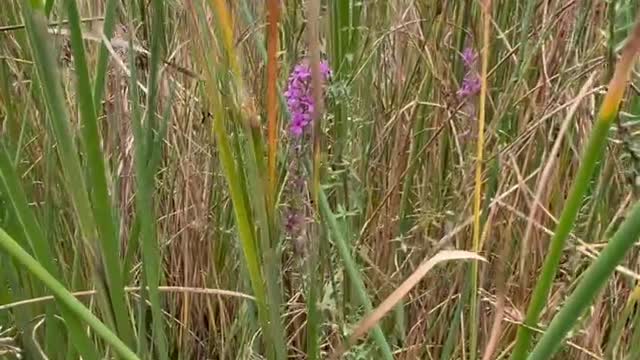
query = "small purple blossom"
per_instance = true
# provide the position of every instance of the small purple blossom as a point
(470, 86)
(468, 57)
(471, 82)
(301, 105)
(292, 223)
(325, 70)
(299, 98)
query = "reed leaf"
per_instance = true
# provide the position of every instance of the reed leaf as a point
(102, 208)
(353, 271)
(144, 140)
(589, 286)
(64, 297)
(591, 155)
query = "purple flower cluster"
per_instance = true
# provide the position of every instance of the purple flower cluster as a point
(301, 105)
(299, 97)
(471, 81)
(468, 57)
(297, 205)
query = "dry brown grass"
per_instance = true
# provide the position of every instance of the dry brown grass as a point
(408, 73)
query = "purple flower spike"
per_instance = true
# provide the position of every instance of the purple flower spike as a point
(292, 222)
(470, 86)
(325, 70)
(471, 82)
(298, 94)
(296, 129)
(468, 57)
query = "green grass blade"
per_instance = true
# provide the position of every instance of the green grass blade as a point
(589, 286)
(258, 186)
(235, 172)
(10, 185)
(352, 271)
(143, 141)
(592, 154)
(103, 56)
(101, 203)
(620, 324)
(634, 350)
(405, 219)
(340, 16)
(9, 279)
(242, 218)
(47, 71)
(64, 297)
(454, 326)
(313, 317)
(49, 76)
(524, 34)
(34, 235)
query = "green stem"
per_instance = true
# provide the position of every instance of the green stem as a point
(63, 296)
(589, 162)
(103, 56)
(592, 281)
(97, 175)
(352, 271)
(524, 35)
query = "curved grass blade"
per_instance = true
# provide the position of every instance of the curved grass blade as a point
(59, 124)
(353, 272)
(144, 139)
(592, 154)
(10, 186)
(64, 296)
(103, 56)
(401, 291)
(207, 54)
(257, 186)
(101, 203)
(273, 18)
(589, 286)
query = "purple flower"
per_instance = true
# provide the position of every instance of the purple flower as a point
(292, 222)
(298, 94)
(471, 82)
(325, 70)
(301, 105)
(470, 86)
(468, 57)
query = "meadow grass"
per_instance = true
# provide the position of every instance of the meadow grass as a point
(160, 198)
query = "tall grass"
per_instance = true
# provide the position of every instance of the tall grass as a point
(592, 154)
(148, 177)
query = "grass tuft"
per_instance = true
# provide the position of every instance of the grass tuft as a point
(154, 175)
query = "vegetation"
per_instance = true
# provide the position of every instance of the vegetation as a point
(319, 179)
